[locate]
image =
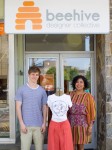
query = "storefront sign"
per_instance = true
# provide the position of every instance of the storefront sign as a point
(60, 16)
(2, 29)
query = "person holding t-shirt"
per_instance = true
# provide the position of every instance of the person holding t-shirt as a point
(31, 108)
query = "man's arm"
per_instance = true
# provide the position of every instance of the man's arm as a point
(19, 115)
(44, 118)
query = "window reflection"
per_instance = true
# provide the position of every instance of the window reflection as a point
(48, 72)
(59, 42)
(74, 67)
(4, 105)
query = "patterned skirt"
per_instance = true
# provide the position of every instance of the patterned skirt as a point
(80, 136)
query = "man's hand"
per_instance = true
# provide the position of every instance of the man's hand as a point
(23, 128)
(43, 128)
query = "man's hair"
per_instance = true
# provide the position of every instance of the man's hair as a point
(34, 69)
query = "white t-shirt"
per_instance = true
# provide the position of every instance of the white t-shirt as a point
(59, 106)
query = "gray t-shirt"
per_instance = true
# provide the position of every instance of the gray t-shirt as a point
(32, 103)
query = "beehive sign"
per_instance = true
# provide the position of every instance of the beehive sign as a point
(56, 17)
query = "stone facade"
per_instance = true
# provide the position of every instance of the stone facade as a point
(101, 92)
(108, 75)
(104, 91)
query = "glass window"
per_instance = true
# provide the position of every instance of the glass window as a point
(59, 42)
(1, 9)
(73, 67)
(4, 101)
(48, 72)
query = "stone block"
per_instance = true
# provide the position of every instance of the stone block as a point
(109, 97)
(108, 143)
(109, 118)
(111, 24)
(108, 37)
(108, 60)
(110, 48)
(109, 85)
(109, 131)
(110, 3)
(109, 107)
(107, 49)
(109, 70)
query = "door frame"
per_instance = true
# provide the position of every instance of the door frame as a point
(60, 55)
(10, 93)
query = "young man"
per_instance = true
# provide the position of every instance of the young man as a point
(31, 108)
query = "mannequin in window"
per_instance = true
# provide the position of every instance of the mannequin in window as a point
(59, 133)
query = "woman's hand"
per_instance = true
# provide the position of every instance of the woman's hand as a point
(89, 130)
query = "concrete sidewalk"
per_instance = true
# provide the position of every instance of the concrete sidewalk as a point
(16, 147)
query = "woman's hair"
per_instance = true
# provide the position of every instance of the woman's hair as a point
(86, 84)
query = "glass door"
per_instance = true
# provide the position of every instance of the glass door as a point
(58, 70)
(75, 64)
(49, 78)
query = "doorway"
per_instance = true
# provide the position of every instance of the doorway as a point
(58, 70)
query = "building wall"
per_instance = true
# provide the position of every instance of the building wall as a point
(108, 64)
(1, 9)
(104, 83)
(101, 92)
(104, 91)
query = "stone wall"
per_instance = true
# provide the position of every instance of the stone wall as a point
(101, 92)
(108, 64)
(104, 91)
